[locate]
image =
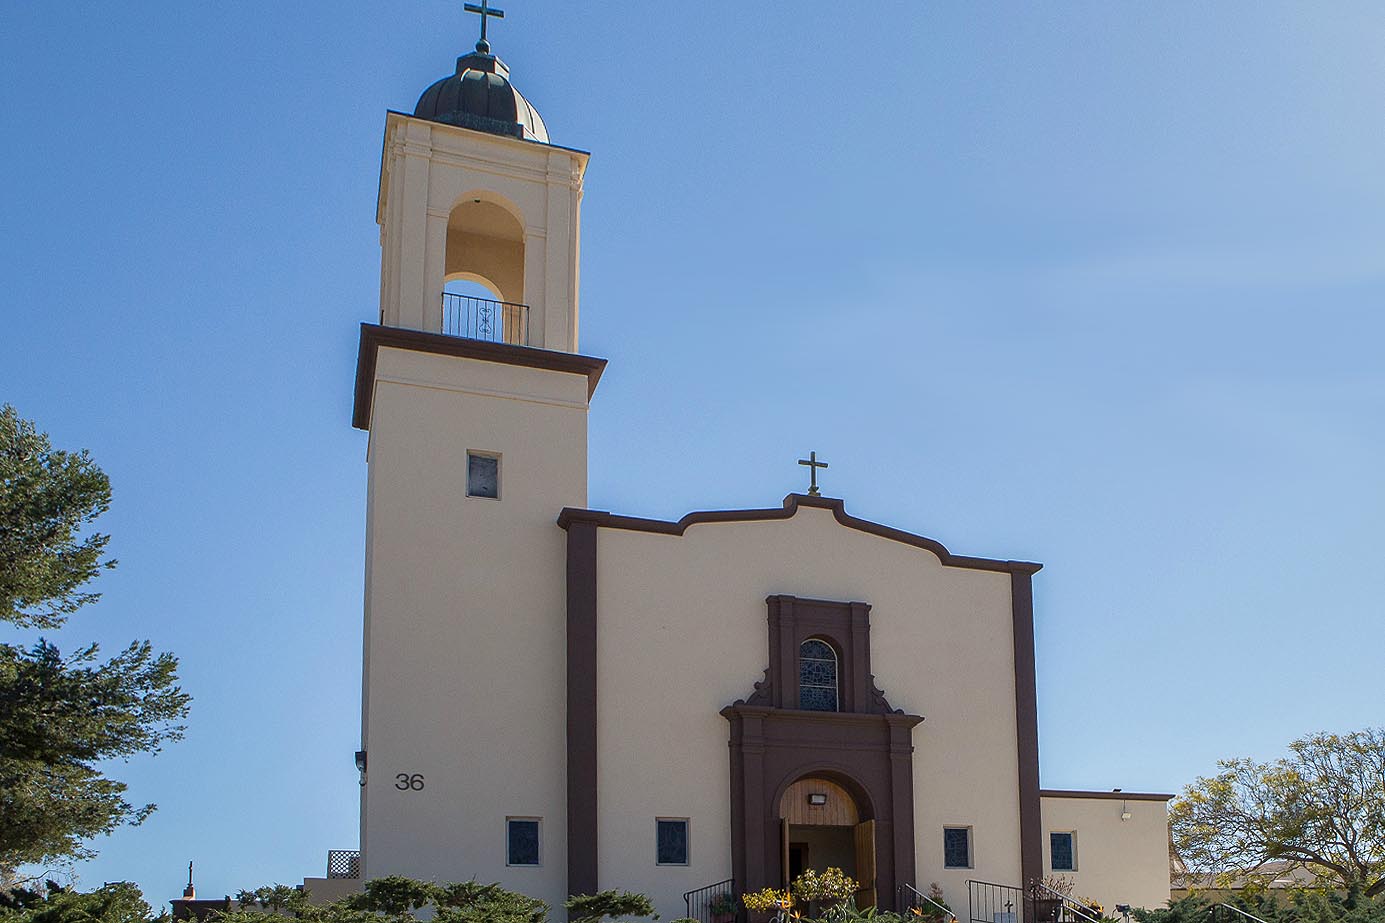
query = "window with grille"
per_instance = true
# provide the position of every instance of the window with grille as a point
(482, 475)
(1062, 849)
(817, 676)
(522, 841)
(671, 834)
(957, 847)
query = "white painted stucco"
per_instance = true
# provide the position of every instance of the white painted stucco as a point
(465, 616)
(1118, 861)
(682, 633)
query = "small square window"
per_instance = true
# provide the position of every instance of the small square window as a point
(522, 841)
(483, 475)
(1062, 849)
(957, 847)
(672, 841)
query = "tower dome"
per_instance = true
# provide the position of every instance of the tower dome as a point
(480, 96)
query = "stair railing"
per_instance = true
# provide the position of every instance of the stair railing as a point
(1216, 917)
(1078, 911)
(912, 897)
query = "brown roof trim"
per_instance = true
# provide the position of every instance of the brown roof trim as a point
(791, 505)
(373, 336)
(1111, 796)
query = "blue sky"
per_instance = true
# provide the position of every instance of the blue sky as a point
(1100, 285)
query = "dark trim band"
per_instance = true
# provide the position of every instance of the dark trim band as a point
(791, 505)
(1109, 796)
(373, 336)
(1027, 727)
(581, 710)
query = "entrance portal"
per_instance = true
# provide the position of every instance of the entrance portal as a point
(821, 827)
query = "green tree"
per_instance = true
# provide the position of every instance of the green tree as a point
(117, 902)
(1321, 808)
(62, 715)
(47, 497)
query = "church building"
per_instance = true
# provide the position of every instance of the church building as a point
(564, 699)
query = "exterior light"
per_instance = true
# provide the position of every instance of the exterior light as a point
(360, 761)
(817, 798)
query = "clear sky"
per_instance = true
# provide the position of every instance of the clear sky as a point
(1095, 284)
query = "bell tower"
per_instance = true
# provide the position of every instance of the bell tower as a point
(477, 414)
(474, 204)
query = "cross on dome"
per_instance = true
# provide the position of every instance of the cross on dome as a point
(485, 11)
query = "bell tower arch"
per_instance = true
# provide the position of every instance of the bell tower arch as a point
(470, 184)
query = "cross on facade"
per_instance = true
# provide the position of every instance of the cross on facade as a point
(485, 10)
(813, 465)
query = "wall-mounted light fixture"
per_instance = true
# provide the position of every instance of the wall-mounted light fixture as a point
(817, 798)
(360, 761)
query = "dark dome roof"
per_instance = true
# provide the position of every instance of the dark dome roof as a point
(479, 96)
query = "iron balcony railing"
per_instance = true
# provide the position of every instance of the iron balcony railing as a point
(485, 319)
(343, 863)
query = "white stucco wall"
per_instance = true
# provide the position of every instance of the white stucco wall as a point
(1118, 861)
(682, 633)
(465, 617)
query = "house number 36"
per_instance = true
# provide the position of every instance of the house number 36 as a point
(407, 782)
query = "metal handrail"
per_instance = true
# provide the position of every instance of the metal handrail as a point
(1248, 916)
(1075, 907)
(924, 897)
(702, 897)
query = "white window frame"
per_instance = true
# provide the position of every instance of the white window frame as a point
(499, 474)
(687, 840)
(1072, 837)
(538, 822)
(971, 845)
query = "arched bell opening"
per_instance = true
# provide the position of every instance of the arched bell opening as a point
(483, 292)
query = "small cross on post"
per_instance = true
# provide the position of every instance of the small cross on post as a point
(812, 463)
(486, 11)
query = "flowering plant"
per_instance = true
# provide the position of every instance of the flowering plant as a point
(766, 899)
(831, 885)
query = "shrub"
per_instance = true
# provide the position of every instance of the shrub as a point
(591, 908)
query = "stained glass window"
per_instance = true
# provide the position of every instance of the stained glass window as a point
(1064, 855)
(522, 836)
(482, 476)
(672, 846)
(817, 676)
(957, 847)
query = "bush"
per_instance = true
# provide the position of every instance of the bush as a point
(592, 908)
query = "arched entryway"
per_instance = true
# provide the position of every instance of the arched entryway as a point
(823, 825)
(782, 742)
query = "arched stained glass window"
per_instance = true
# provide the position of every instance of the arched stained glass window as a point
(817, 676)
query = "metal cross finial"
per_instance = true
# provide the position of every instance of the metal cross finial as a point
(486, 11)
(813, 465)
